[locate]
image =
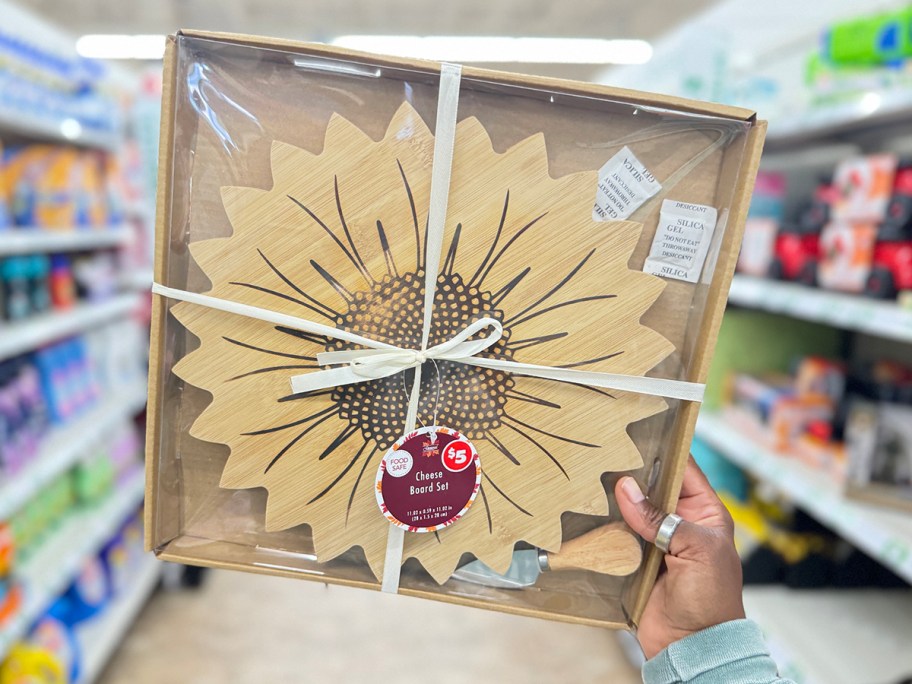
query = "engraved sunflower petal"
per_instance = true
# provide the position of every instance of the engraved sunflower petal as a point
(576, 301)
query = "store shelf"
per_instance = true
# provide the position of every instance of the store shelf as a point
(45, 574)
(17, 338)
(857, 116)
(141, 209)
(99, 638)
(66, 445)
(37, 240)
(884, 534)
(884, 319)
(35, 126)
(138, 279)
(835, 636)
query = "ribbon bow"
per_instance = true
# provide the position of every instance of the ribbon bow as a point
(373, 364)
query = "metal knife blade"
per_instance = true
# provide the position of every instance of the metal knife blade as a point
(523, 572)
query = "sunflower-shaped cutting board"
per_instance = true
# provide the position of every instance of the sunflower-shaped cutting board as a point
(340, 239)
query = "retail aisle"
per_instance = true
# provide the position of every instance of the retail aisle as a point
(246, 629)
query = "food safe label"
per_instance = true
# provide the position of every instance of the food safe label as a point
(624, 183)
(428, 479)
(681, 241)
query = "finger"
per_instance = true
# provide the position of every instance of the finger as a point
(645, 519)
(696, 489)
(695, 480)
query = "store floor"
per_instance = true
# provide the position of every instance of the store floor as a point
(250, 629)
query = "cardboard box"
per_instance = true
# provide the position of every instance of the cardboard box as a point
(296, 179)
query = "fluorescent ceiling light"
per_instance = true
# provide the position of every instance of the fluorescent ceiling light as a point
(119, 46)
(493, 49)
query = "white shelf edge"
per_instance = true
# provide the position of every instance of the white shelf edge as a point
(823, 121)
(852, 312)
(46, 574)
(41, 240)
(18, 338)
(802, 626)
(139, 280)
(66, 445)
(99, 638)
(20, 124)
(884, 534)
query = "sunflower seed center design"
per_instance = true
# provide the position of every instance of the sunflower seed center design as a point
(459, 394)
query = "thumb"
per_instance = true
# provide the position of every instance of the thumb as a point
(645, 519)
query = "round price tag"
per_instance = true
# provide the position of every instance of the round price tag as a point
(428, 479)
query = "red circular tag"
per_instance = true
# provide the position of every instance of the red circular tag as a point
(428, 479)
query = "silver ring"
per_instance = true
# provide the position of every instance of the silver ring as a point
(667, 530)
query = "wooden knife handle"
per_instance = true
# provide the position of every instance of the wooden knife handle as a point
(610, 550)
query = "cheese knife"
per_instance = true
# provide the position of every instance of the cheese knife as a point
(609, 550)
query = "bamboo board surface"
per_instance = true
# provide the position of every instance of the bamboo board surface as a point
(339, 239)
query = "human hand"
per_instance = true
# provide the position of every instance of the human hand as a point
(700, 585)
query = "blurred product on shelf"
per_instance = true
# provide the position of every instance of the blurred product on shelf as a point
(32, 664)
(67, 627)
(879, 438)
(864, 187)
(122, 555)
(89, 593)
(14, 284)
(53, 632)
(763, 222)
(793, 409)
(96, 275)
(93, 477)
(781, 544)
(67, 379)
(881, 38)
(61, 188)
(796, 252)
(854, 425)
(62, 285)
(860, 56)
(56, 384)
(10, 594)
(73, 220)
(23, 413)
(109, 464)
(55, 187)
(125, 442)
(118, 353)
(54, 86)
(36, 519)
(891, 268)
(784, 340)
(117, 188)
(36, 284)
(853, 235)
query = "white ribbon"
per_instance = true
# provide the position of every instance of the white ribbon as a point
(380, 360)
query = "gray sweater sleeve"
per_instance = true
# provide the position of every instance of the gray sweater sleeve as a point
(730, 653)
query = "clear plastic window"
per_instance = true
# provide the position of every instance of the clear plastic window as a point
(300, 183)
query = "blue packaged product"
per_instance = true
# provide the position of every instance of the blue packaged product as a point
(90, 592)
(54, 633)
(116, 561)
(14, 281)
(39, 271)
(52, 376)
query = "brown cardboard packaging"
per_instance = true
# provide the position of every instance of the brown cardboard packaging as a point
(316, 131)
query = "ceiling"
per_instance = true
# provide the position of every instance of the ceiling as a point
(324, 19)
